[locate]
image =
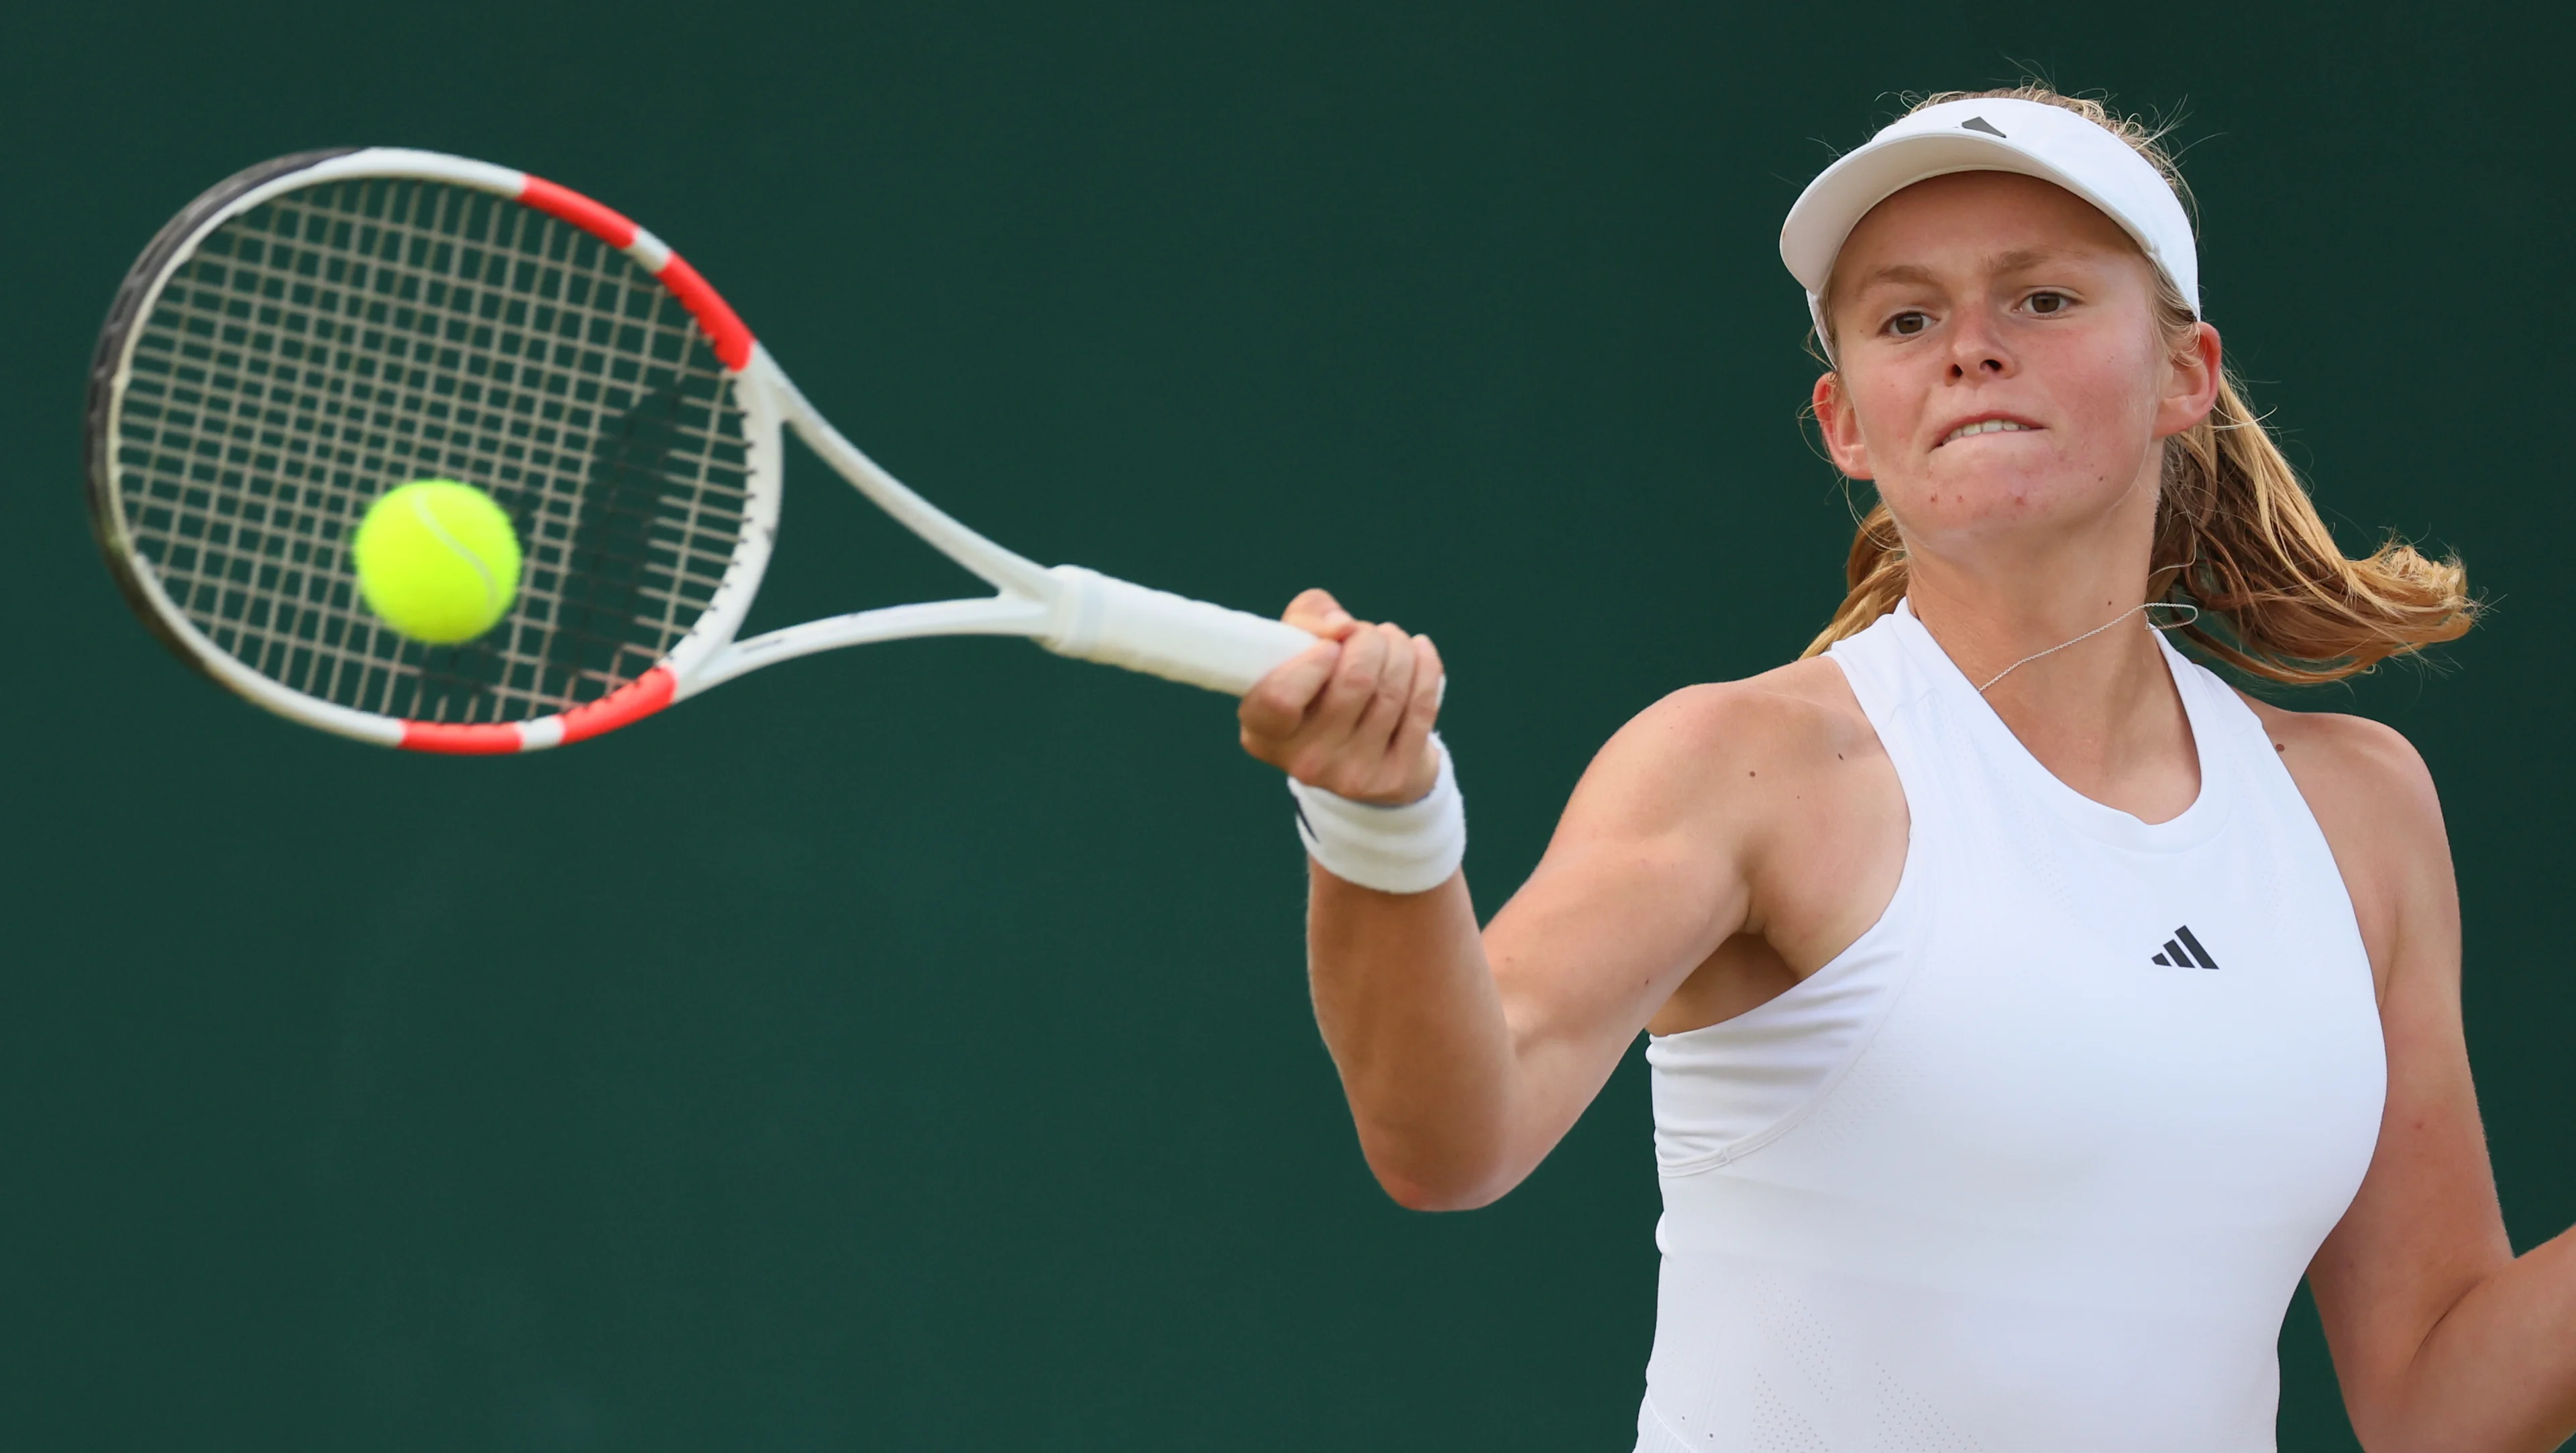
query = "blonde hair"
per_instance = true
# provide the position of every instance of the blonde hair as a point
(2236, 534)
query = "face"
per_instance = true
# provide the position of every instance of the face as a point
(2004, 378)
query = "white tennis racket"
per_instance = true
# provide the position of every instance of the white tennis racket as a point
(324, 327)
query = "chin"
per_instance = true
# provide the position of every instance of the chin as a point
(1991, 502)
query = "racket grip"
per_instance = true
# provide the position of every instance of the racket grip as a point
(1104, 619)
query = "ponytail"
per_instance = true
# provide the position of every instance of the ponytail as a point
(1876, 571)
(2236, 534)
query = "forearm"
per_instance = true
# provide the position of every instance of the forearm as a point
(1409, 1009)
(2497, 1373)
(1463, 1067)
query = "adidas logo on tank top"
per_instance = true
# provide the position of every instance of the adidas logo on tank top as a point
(2184, 951)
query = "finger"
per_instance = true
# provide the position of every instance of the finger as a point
(1360, 768)
(1337, 708)
(1318, 614)
(1412, 747)
(1385, 711)
(1277, 704)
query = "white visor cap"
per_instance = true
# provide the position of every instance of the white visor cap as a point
(1997, 134)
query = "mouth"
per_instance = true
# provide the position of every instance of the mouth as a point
(1974, 427)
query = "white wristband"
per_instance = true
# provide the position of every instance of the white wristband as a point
(1408, 849)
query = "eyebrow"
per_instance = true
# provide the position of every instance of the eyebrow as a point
(2020, 259)
(1898, 273)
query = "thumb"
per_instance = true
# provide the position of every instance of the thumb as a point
(1317, 614)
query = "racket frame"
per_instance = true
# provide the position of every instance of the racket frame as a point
(1067, 609)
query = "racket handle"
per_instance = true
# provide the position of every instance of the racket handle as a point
(1104, 619)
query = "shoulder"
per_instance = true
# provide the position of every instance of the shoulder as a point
(1732, 744)
(1797, 711)
(2373, 798)
(2353, 765)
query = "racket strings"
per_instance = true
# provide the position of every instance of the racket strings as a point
(345, 338)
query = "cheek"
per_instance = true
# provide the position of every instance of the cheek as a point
(2109, 393)
(1887, 409)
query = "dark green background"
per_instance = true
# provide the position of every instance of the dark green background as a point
(908, 1049)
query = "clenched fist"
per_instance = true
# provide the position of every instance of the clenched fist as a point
(1352, 713)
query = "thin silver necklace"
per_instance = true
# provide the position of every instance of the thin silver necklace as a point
(2097, 630)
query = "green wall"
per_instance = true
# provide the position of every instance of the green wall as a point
(908, 1049)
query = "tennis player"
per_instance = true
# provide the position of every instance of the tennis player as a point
(2028, 1010)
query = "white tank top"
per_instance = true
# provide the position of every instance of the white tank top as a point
(2035, 1165)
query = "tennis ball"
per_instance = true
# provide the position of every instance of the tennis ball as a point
(437, 560)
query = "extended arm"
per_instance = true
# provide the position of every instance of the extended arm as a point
(1467, 1055)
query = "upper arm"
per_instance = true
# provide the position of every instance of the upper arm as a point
(1642, 879)
(1658, 860)
(2424, 1227)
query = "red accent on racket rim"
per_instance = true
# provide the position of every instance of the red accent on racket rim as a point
(724, 327)
(605, 223)
(461, 739)
(635, 700)
(720, 321)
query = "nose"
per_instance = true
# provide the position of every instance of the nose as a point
(1977, 349)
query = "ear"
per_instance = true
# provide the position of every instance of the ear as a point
(2192, 375)
(1840, 426)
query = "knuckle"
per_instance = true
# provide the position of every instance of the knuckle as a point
(1395, 684)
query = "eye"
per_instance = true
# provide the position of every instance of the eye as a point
(2046, 303)
(1909, 323)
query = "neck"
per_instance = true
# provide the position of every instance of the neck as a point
(2101, 713)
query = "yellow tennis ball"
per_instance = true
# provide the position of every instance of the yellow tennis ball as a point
(437, 561)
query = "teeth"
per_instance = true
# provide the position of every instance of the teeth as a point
(1990, 426)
